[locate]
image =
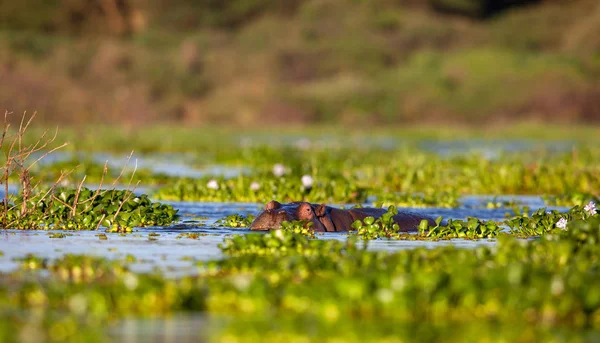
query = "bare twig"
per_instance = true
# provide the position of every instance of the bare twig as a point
(5, 129)
(62, 202)
(56, 183)
(74, 210)
(100, 222)
(123, 170)
(99, 190)
(48, 153)
(45, 196)
(129, 192)
(16, 156)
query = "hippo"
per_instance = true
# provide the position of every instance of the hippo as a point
(326, 218)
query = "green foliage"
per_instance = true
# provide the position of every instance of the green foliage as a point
(240, 190)
(384, 226)
(542, 221)
(333, 61)
(299, 227)
(235, 220)
(69, 209)
(94, 172)
(514, 287)
(278, 242)
(584, 231)
(471, 228)
(230, 14)
(570, 199)
(539, 223)
(20, 15)
(409, 178)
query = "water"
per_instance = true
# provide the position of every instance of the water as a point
(171, 164)
(176, 256)
(178, 328)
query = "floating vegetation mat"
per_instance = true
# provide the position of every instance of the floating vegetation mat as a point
(285, 284)
(402, 177)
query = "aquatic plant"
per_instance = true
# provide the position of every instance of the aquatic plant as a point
(86, 209)
(285, 277)
(299, 227)
(49, 206)
(235, 220)
(410, 177)
(541, 221)
(17, 163)
(590, 208)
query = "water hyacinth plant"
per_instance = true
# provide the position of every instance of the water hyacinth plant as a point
(85, 209)
(410, 177)
(50, 206)
(541, 222)
(520, 285)
(235, 220)
(294, 284)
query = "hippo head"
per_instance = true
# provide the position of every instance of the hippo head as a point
(276, 213)
(307, 213)
(272, 217)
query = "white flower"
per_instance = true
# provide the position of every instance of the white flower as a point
(307, 181)
(131, 281)
(242, 282)
(254, 186)
(562, 223)
(590, 208)
(278, 170)
(385, 295)
(212, 184)
(279, 234)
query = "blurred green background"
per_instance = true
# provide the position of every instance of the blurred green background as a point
(260, 62)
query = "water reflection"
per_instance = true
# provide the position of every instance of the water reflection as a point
(181, 328)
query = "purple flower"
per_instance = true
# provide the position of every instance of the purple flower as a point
(562, 224)
(590, 208)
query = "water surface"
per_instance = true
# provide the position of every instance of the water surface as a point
(175, 255)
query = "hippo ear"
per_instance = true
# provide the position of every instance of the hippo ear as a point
(271, 205)
(305, 211)
(320, 210)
